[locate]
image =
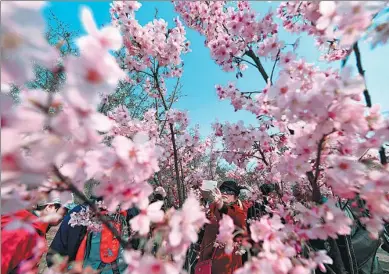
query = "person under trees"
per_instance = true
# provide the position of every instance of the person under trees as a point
(225, 203)
(23, 246)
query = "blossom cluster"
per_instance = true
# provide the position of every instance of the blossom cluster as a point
(86, 217)
(154, 41)
(230, 29)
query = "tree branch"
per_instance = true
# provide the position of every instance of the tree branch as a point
(251, 92)
(274, 66)
(263, 156)
(247, 61)
(312, 178)
(250, 53)
(383, 158)
(173, 139)
(176, 88)
(361, 72)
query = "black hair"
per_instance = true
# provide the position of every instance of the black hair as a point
(96, 198)
(42, 207)
(232, 186)
(267, 188)
(158, 197)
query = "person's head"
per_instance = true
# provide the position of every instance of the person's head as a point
(159, 194)
(48, 208)
(230, 191)
(267, 188)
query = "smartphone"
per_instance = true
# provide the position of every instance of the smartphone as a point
(208, 185)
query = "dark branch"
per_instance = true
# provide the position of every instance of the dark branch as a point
(172, 136)
(383, 158)
(239, 59)
(250, 53)
(361, 71)
(274, 66)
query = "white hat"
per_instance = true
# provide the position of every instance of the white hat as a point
(161, 191)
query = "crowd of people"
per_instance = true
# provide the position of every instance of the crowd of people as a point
(103, 252)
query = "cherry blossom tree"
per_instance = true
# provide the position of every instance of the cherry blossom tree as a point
(311, 140)
(313, 128)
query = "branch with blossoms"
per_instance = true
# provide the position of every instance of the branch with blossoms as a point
(161, 62)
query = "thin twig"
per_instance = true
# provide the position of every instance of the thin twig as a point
(251, 92)
(247, 61)
(170, 105)
(263, 156)
(274, 66)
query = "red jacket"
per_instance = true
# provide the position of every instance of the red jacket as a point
(222, 263)
(17, 245)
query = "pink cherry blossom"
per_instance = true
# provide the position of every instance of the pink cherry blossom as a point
(265, 228)
(184, 225)
(108, 37)
(226, 230)
(149, 213)
(23, 42)
(138, 264)
(345, 175)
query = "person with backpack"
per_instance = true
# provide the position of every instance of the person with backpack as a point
(17, 244)
(99, 250)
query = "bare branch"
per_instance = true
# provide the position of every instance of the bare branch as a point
(250, 53)
(361, 72)
(274, 66)
(172, 136)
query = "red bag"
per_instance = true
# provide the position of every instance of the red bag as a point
(205, 267)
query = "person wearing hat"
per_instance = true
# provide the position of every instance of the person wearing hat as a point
(18, 243)
(224, 201)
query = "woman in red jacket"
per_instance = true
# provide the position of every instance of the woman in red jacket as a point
(225, 202)
(18, 243)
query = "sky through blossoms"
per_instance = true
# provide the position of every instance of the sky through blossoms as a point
(201, 73)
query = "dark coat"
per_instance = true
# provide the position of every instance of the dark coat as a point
(67, 240)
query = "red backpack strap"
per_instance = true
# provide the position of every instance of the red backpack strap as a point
(109, 244)
(124, 213)
(81, 250)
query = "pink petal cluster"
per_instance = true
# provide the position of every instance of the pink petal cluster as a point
(152, 41)
(229, 30)
(226, 231)
(22, 44)
(138, 264)
(184, 226)
(86, 217)
(148, 213)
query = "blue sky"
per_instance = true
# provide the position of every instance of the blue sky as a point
(201, 74)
